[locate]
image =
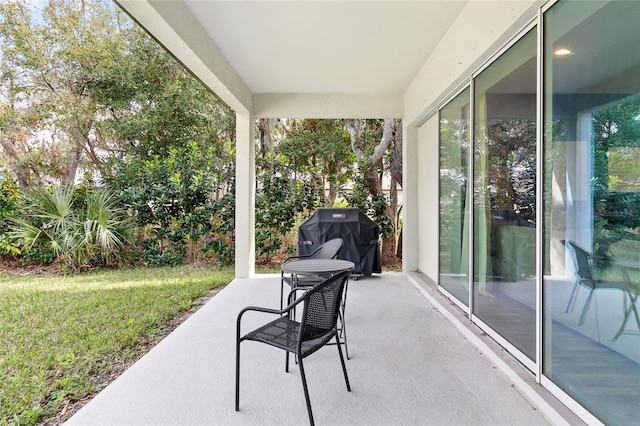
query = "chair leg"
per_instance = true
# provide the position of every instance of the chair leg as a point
(237, 375)
(341, 312)
(344, 367)
(585, 310)
(306, 391)
(572, 298)
(281, 288)
(343, 331)
(635, 311)
(624, 323)
(627, 314)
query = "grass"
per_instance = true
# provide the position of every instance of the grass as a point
(60, 336)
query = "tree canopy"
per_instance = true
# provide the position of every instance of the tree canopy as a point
(88, 97)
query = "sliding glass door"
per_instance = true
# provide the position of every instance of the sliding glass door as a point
(454, 197)
(592, 205)
(589, 294)
(504, 179)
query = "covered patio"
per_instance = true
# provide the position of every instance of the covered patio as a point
(414, 359)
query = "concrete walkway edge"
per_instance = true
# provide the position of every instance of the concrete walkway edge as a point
(550, 409)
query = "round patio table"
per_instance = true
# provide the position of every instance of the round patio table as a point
(317, 266)
(632, 291)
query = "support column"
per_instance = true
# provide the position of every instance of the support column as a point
(245, 195)
(410, 229)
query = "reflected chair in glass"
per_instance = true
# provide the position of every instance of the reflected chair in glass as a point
(328, 250)
(316, 328)
(583, 262)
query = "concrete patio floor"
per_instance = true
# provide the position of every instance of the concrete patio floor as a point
(415, 360)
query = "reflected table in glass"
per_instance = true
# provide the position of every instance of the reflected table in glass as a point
(632, 291)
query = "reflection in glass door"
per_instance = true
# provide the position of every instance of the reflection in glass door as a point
(590, 254)
(454, 205)
(591, 288)
(504, 179)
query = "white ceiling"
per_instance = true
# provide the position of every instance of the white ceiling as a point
(304, 47)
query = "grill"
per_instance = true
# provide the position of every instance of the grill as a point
(360, 235)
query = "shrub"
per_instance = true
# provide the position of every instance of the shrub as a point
(9, 204)
(79, 232)
(175, 199)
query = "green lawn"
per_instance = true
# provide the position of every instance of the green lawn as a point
(59, 334)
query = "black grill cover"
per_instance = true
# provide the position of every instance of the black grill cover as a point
(360, 235)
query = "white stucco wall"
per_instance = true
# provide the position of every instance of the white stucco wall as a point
(479, 31)
(245, 195)
(428, 198)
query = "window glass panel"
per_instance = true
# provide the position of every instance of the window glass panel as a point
(454, 211)
(504, 174)
(592, 205)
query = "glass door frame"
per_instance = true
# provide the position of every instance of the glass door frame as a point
(534, 366)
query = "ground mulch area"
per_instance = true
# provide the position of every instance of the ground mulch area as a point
(14, 268)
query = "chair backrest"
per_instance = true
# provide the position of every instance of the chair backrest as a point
(581, 260)
(328, 250)
(321, 305)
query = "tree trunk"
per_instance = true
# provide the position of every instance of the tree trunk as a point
(373, 179)
(71, 168)
(399, 249)
(370, 164)
(389, 245)
(265, 135)
(333, 193)
(265, 139)
(396, 161)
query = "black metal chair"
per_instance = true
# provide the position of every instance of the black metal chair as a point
(317, 327)
(328, 250)
(583, 262)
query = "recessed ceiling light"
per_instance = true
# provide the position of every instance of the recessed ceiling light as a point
(563, 52)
